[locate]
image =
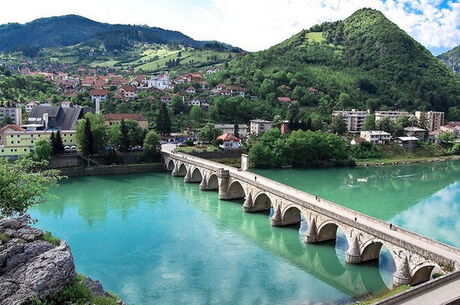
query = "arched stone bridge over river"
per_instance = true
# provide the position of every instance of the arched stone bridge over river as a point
(415, 256)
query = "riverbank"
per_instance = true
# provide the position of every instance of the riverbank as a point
(101, 170)
(402, 161)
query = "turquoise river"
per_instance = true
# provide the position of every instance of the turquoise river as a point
(152, 239)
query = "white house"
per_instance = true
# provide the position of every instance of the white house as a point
(229, 141)
(376, 136)
(161, 81)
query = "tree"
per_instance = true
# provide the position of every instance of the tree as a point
(23, 183)
(236, 131)
(6, 121)
(386, 125)
(56, 143)
(124, 136)
(152, 143)
(98, 132)
(196, 114)
(86, 140)
(402, 122)
(422, 121)
(209, 133)
(338, 126)
(446, 137)
(369, 122)
(163, 121)
(453, 114)
(294, 116)
(43, 150)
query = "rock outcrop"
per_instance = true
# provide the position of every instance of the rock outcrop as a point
(29, 266)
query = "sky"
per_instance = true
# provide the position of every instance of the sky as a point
(252, 24)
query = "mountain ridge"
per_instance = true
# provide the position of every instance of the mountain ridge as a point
(72, 29)
(452, 59)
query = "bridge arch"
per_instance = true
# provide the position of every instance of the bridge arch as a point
(327, 231)
(421, 274)
(170, 165)
(236, 190)
(370, 250)
(262, 202)
(213, 182)
(291, 215)
(196, 175)
(182, 170)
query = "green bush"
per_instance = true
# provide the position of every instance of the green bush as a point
(3, 238)
(47, 236)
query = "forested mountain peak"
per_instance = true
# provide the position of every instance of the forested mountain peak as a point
(366, 57)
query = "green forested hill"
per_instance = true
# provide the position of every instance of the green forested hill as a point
(364, 61)
(62, 31)
(452, 59)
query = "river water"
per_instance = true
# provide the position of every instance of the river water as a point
(152, 239)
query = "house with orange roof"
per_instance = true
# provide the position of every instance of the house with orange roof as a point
(228, 141)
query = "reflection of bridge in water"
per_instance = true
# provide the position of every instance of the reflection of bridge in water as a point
(415, 256)
(321, 261)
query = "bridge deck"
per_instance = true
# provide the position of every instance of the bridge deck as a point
(367, 223)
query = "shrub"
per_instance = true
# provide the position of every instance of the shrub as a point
(3, 238)
(47, 236)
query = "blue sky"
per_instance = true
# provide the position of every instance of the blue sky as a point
(252, 24)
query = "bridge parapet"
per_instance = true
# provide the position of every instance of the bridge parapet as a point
(415, 255)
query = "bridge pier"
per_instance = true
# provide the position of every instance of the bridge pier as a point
(353, 254)
(311, 237)
(402, 275)
(248, 206)
(224, 179)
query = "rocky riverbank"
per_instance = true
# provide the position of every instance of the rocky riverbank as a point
(383, 162)
(34, 266)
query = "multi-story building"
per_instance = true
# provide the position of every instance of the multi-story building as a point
(115, 118)
(391, 114)
(55, 117)
(14, 113)
(376, 136)
(16, 141)
(257, 126)
(230, 129)
(434, 119)
(354, 119)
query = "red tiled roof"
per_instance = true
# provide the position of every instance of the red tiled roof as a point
(227, 137)
(128, 88)
(11, 126)
(98, 92)
(284, 99)
(124, 116)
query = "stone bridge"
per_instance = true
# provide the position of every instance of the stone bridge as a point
(415, 256)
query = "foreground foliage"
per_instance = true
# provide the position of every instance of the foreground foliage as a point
(23, 183)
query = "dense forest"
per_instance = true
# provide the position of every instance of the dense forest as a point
(70, 30)
(364, 61)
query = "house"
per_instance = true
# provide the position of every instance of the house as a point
(15, 114)
(284, 99)
(221, 87)
(433, 119)
(190, 90)
(452, 128)
(213, 70)
(419, 133)
(16, 141)
(161, 81)
(408, 143)
(225, 92)
(66, 104)
(29, 106)
(194, 102)
(235, 90)
(376, 136)
(228, 141)
(115, 119)
(354, 119)
(284, 127)
(193, 77)
(166, 99)
(140, 81)
(230, 129)
(128, 92)
(99, 95)
(257, 126)
(178, 138)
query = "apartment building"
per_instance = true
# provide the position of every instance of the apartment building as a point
(354, 119)
(434, 119)
(391, 114)
(257, 127)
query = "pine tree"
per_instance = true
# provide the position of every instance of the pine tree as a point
(124, 136)
(87, 149)
(236, 130)
(163, 121)
(53, 143)
(58, 143)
